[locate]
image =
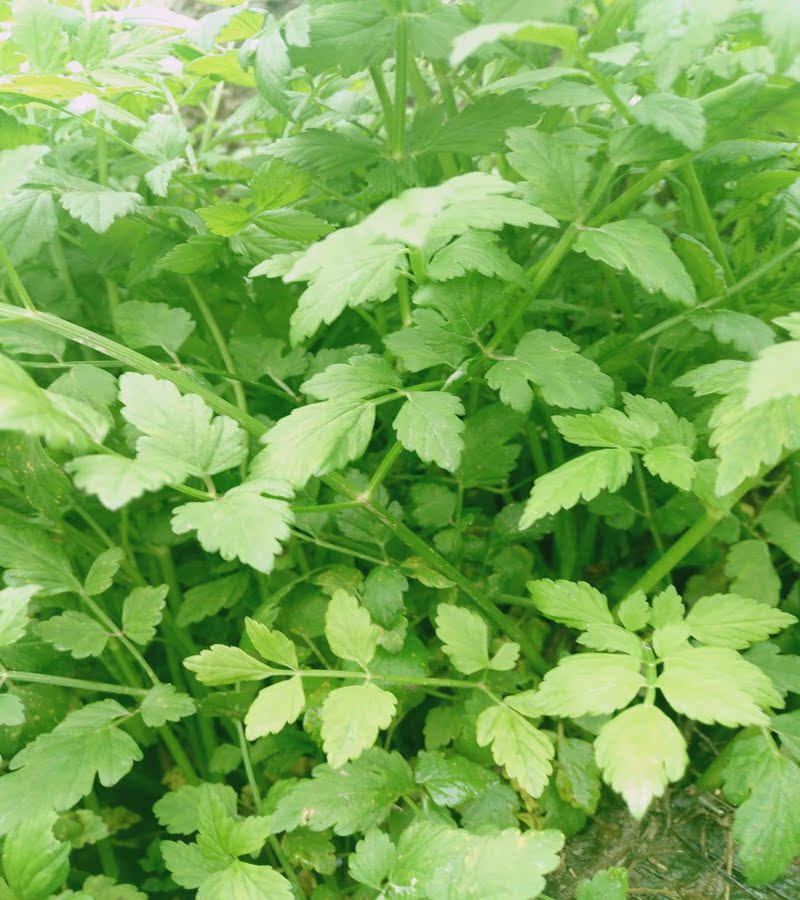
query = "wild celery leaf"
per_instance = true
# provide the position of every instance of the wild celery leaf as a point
(12, 710)
(226, 665)
(14, 612)
(523, 750)
(359, 378)
(612, 639)
(608, 884)
(727, 620)
(590, 684)
(325, 153)
(272, 645)
(163, 703)
(351, 717)
(142, 324)
(452, 779)
(774, 375)
(679, 117)
(225, 219)
(609, 428)
(179, 431)
(179, 810)
(551, 34)
(356, 797)
(672, 463)
(241, 524)
(580, 478)
(272, 68)
(746, 333)
(349, 629)
(640, 751)
(35, 863)
(101, 574)
(576, 604)
(27, 221)
(141, 612)
(557, 174)
(465, 637)
(274, 707)
(382, 595)
(634, 611)
(31, 558)
(17, 164)
(372, 859)
(116, 480)
(473, 251)
(429, 425)
(749, 566)
(278, 183)
(59, 767)
(99, 208)
(715, 684)
(577, 776)
(75, 632)
(644, 250)
(315, 440)
(782, 530)
(551, 362)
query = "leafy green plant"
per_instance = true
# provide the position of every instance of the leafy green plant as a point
(400, 453)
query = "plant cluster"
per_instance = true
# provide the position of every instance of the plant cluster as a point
(400, 410)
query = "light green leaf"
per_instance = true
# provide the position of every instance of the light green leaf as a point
(100, 576)
(14, 612)
(17, 164)
(473, 251)
(352, 716)
(141, 612)
(727, 620)
(782, 530)
(608, 884)
(640, 751)
(576, 604)
(152, 325)
(272, 68)
(775, 374)
(99, 208)
(274, 707)
(359, 378)
(226, 665)
(643, 250)
(428, 424)
(634, 611)
(116, 480)
(551, 34)
(163, 704)
(590, 684)
(272, 645)
(752, 574)
(673, 464)
(465, 637)
(349, 629)
(372, 859)
(551, 362)
(35, 863)
(523, 750)
(31, 558)
(715, 684)
(612, 639)
(12, 710)
(241, 524)
(225, 219)
(27, 221)
(505, 659)
(679, 117)
(179, 810)
(74, 632)
(667, 608)
(580, 478)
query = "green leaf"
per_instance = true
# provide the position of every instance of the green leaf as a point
(27, 221)
(31, 558)
(678, 117)
(14, 612)
(428, 424)
(589, 684)
(608, 884)
(352, 716)
(74, 632)
(557, 173)
(241, 525)
(141, 612)
(372, 859)
(152, 325)
(16, 165)
(349, 629)
(473, 251)
(640, 751)
(727, 620)
(272, 645)
(673, 464)
(576, 604)
(783, 670)
(99, 208)
(551, 34)
(643, 250)
(356, 797)
(580, 478)
(35, 863)
(634, 612)
(611, 638)
(179, 432)
(715, 684)
(179, 811)
(275, 706)
(12, 712)
(552, 363)
(315, 440)
(226, 665)
(116, 480)
(225, 219)
(163, 704)
(577, 776)
(88, 744)
(451, 780)
(523, 750)
(774, 374)
(360, 378)
(272, 68)
(100, 576)
(465, 637)
(37, 31)
(783, 531)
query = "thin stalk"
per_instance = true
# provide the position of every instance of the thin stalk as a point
(628, 197)
(179, 755)
(211, 117)
(400, 89)
(60, 262)
(78, 684)
(383, 469)
(441, 72)
(325, 507)
(338, 548)
(707, 220)
(405, 301)
(101, 152)
(381, 90)
(641, 486)
(16, 282)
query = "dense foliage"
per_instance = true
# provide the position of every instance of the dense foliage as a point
(400, 403)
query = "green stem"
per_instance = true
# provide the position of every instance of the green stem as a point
(179, 755)
(383, 469)
(211, 117)
(77, 684)
(641, 486)
(707, 221)
(381, 90)
(627, 198)
(101, 147)
(400, 89)
(16, 282)
(405, 302)
(325, 507)
(440, 70)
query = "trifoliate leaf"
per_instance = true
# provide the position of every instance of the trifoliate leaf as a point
(315, 440)
(163, 703)
(352, 716)
(715, 684)
(580, 478)
(349, 629)
(727, 620)
(116, 480)
(152, 325)
(523, 750)
(643, 250)
(241, 525)
(673, 464)
(274, 707)
(226, 665)
(88, 744)
(640, 751)
(465, 637)
(74, 632)
(99, 208)
(551, 362)
(272, 645)
(141, 612)
(372, 859)
(354, 798)
(576, 604)
(679, 117)
(100, 576)
(590, 684)
(360, 378)
(428, 424)
(179, 431)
